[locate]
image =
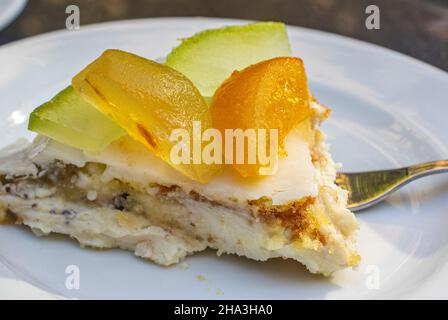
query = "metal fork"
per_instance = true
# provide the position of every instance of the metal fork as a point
(368, 188)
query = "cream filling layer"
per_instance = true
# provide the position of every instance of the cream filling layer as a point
(129, 161)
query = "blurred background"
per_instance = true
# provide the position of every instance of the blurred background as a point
(418, 28)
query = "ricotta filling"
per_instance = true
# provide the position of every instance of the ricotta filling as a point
(128, 161)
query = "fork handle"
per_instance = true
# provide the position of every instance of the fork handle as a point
(427, 168)
(368, 188)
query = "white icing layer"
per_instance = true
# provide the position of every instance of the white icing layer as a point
(129, 161)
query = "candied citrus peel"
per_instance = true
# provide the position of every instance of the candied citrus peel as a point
(271, 94)
(148, 100)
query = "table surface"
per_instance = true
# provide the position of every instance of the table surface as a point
(418, 28)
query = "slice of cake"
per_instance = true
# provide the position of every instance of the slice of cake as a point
(101, 169)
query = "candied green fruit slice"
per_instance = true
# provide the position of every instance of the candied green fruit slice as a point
(68, 119)
(209, 57)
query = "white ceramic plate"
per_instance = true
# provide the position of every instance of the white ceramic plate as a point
(389, 110)
(9, 10)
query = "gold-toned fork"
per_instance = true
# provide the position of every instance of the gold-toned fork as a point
(368, 188)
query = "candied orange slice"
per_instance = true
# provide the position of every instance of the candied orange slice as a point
(271, 94)
(148, 100)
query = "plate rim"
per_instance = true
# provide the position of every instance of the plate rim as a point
(12, 12)
(330, 36)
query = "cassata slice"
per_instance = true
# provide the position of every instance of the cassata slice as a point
(210, 56)
(149, 100)
(69, 119)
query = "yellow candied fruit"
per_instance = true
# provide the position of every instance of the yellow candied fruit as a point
(271, 94)
(149, 100)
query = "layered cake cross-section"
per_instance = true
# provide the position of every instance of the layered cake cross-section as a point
(101, 169)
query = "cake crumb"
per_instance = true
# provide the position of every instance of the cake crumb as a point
(200, 277)
(183, 265)
(92, 195)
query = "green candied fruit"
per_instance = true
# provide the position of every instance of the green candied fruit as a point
(209, 57)
(68, 119)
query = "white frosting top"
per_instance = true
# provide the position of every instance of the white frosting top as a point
(295, 178)
(15, 160)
